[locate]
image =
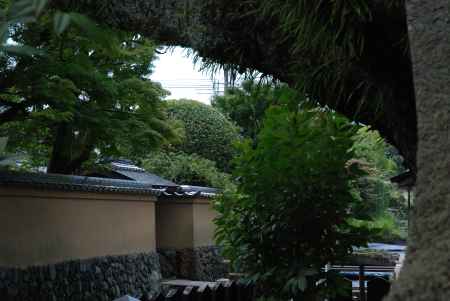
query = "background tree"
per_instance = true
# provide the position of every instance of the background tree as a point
(381, 200)
(247, 104)
(373, 149)
(184, 168)
(14, 12)
(208, 133)
(87, 94)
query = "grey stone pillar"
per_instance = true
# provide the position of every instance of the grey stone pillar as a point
(426, 273)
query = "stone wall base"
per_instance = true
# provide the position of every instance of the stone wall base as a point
(96, 279)
(110, 277)
(201, 263)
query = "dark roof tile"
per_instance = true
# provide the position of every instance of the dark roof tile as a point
(136, 173)
(76, 183)
(91, 184)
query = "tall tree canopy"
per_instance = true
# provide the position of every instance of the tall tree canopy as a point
(246, 105)
(349, 55)
(86, 94)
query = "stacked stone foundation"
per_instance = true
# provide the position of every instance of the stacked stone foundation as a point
(200, 263)
(110, 277)
(96, 279)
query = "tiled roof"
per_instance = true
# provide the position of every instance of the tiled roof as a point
(91, 184)
(204, 189)
(76, 183)
(406, 179)
(125, 165)
(127, 169)
(188, 194)
(143, 176)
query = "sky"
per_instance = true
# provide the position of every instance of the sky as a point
(177, 73)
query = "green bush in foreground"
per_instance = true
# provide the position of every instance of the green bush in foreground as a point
(292, 212)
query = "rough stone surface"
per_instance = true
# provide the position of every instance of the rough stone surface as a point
(374, 258)
(168, 263)
(426, 273)
(209, 265)
(96, 279)
(202, 263)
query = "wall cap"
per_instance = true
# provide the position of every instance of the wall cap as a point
(75, 183)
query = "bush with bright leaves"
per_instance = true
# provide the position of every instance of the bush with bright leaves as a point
(188, 169)
(293, 210)
(208, 133)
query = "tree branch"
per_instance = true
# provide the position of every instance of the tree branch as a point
(220, 36)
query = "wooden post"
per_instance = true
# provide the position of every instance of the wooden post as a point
(409, 204)
(174, 294)
(362, 288)
(377, 289)
(188, 293)
(220, 293)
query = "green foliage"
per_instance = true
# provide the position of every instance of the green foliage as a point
(186, 169)
(21, 12)
(328, 38)
(85, 93)
(333, 51)
(28, 142)
(382, 158)
(17, 12)
(246, 105)
(389, 227)
(208, 133)
(293, 210)
(376, 192)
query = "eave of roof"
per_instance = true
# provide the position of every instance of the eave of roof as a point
(136, 173)
(193, 188)
(188, 194)
(91, 184)
(406, 179)
(76, 183)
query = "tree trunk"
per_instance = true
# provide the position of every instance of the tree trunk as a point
(426, 273)
(69, 152)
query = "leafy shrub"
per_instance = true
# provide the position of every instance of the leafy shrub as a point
(183, 168)
(375, 189)
(246, 105)
(371, 147)
(208, 133)
(292, 212)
